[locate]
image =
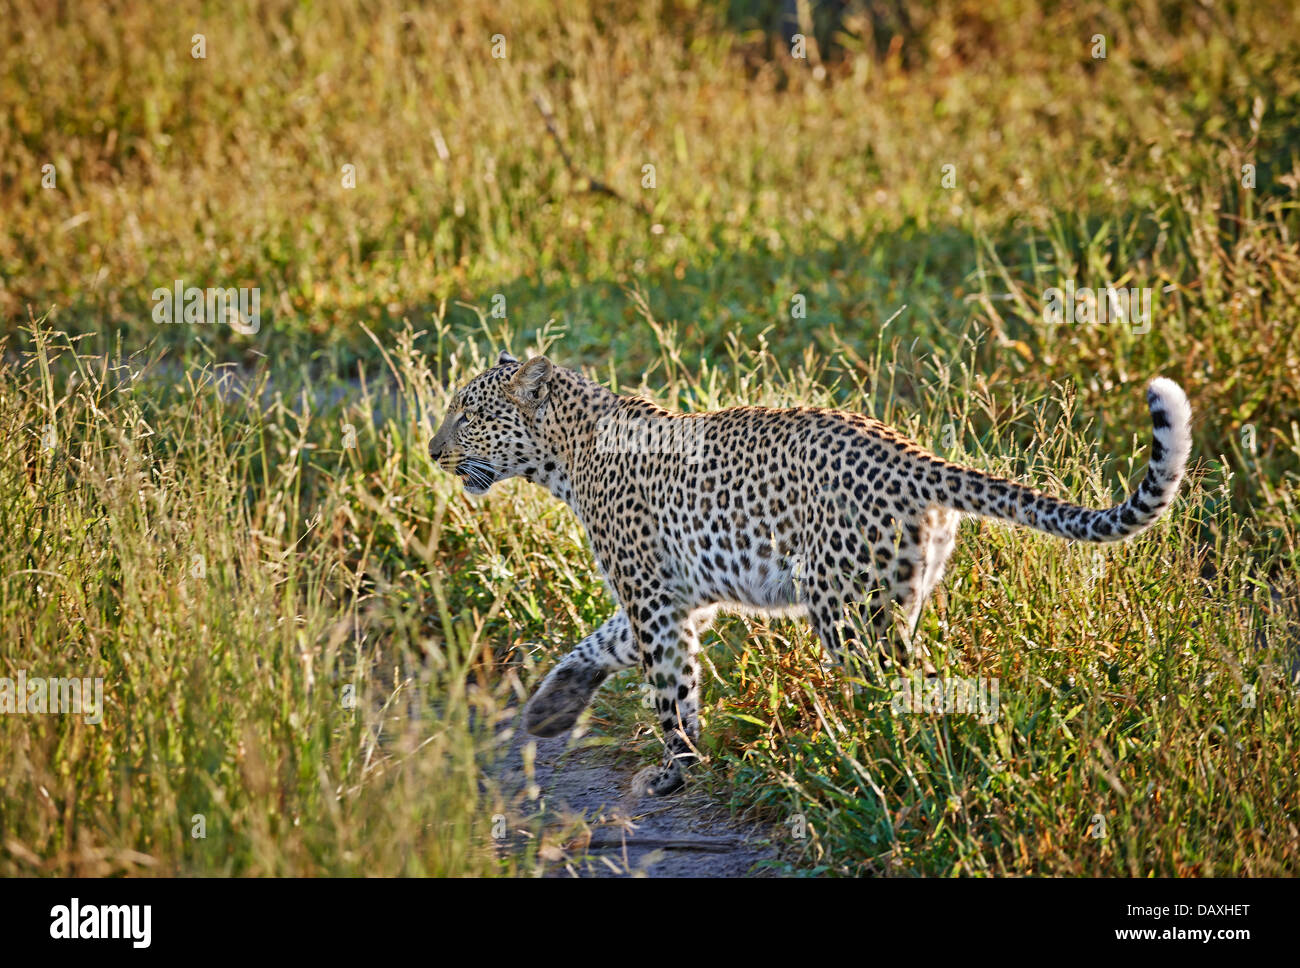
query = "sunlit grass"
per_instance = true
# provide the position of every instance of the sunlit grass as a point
(258, 580)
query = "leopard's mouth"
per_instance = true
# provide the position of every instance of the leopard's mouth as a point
(478, 475)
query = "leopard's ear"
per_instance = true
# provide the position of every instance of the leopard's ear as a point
(531, 385)
(505, 357)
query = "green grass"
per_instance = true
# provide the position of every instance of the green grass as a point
(1123, 671)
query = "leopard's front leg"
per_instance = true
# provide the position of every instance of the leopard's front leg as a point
(669, 646)
(568, 688)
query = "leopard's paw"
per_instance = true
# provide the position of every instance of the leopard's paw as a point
(658, 781)
(560, 699)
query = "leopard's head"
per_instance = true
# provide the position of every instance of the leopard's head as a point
(489, 431)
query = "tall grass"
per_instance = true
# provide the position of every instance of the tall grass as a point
(259, 582)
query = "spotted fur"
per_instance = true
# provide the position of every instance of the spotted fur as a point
(821, 513)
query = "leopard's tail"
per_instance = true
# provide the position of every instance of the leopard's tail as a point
(975, 492)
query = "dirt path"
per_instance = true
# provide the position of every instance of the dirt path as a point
(592, 824)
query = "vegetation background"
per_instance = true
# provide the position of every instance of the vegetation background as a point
(309, 637)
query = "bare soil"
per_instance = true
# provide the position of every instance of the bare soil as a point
(579, 803)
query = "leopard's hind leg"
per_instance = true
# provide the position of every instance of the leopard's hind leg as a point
(937, 535)
(868, 593)
(849, 587)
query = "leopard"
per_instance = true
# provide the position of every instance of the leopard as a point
(802, 512)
